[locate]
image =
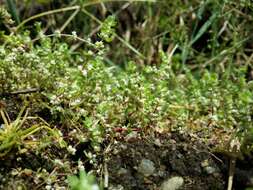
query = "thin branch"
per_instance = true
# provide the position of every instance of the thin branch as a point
(46, 13)
(73, 8)
(106, 176)
(69, 20)
(24, 91)
(67, 35)
(231, 173)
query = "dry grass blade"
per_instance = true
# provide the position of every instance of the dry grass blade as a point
(72, 8)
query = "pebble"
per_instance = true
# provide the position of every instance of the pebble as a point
(157, 142)
(204, 163)
(207, 168)
(250, 181)
(210, 170)
(173, 183)
(146, 167)
(122, 171)
(131, 136)
(118, 187)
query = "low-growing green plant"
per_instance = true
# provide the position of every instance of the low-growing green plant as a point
(156, 96)
(84, 181)
(83, 86)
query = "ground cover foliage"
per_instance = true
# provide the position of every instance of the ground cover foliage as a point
(80, 77)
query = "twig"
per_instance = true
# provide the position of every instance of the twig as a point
(45, 14)
(2, 105)
(231, 173)
(69, 20)
(106, 181)
(211, 154)
(24, 91)
(47, 178)
(55, 11)
(66, 35)
(234, 148)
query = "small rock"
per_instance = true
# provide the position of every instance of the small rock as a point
(205, 163)
(162, 171)
(131, 136)
(122, 171)
(115, 151)
(118, 187)
(173, 147)
(250, 181)
(173, 183)
(172, 141)
(94, 187)
(146, 167)
(178, 166)
(123, 147)
(157, 142)
(179, 155)
(185, 147)
(210, 170)
(147, 181)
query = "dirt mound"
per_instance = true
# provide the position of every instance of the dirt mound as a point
(147, 163)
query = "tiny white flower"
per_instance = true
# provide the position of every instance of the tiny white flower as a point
(57, 33)
(80, 165)
(71, 150)
(48, 187)
(41, 34)
(74, 33)
(94, 187)
(82, 111)
(90, 52)
(99, 44)
(75, 102)
(89, 40)
(2, 126)
(58, 162)
(89, 66)
(84, 72)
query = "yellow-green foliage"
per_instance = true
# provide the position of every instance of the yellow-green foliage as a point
(14, 134)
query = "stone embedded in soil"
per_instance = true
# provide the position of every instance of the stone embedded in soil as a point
(122, 171)
(210, 170)
(207, 168)
(178, 165)
(251, 181)
(146, 167)
(131, 136)
(157, 142)
(94, 187)
(204, 163)
(118, 187)
(173, 183)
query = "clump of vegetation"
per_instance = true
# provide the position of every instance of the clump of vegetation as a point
(85, 181)
(13, 134)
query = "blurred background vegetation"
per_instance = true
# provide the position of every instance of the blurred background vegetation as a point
(210, 34)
